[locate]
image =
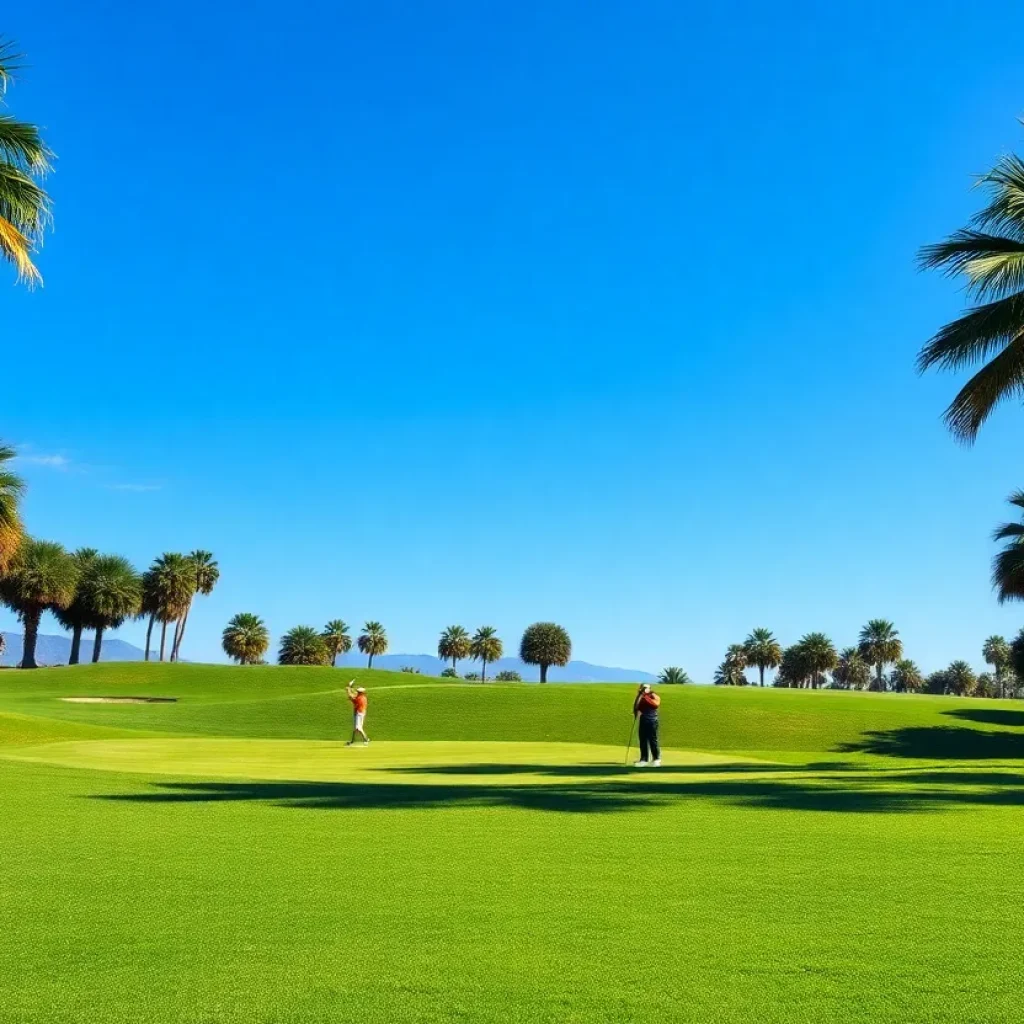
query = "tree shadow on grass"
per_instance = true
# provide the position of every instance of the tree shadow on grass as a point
(559, 771)
(991, 716)
(940, 742)
(863, 793)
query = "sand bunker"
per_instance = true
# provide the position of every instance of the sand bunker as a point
(120, 700)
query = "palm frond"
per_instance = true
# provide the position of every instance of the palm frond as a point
(992, 264)
(16, 248)
(9, 63)
(975, 335)
(1005, 212)
(999, 379)
(22, 146)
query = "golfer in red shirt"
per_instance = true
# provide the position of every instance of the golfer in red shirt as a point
(358, 699)
(645, 708)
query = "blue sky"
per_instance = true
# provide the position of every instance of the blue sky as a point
(488, 313)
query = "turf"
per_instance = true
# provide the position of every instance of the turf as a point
(800, 857)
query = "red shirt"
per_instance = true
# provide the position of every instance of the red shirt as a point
(358, 702)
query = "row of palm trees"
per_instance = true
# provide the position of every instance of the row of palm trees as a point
(246, 640)
(814, 662)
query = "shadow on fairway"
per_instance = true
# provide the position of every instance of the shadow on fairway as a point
(561, 771)
(942, 742)
(991, 716)
(865, 793)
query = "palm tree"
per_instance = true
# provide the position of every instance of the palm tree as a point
(11, 489)
(852, 672)
(74, 617)
(24, 159)
(485, 647)
(880, 645)
(42, 575)
(337, 639)
(960, 679)
(453, 646)
(990, 255)
(673, 676)
(245, 639)
(987, 686)
(821, 656)
(372, 641)
(763, 651)
(111, 591)
(996, 652)
(170, 584)
(794, 669)
(906, 677)
(302, 645)
(729, 673)
(545, 644)
(206, 574)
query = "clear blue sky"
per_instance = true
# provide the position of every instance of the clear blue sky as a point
(488, 313)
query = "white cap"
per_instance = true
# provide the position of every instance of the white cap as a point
(360, 689)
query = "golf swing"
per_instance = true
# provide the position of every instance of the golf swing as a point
(645, 713)
(358, 698)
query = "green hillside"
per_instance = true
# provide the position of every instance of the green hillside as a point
(309, 703)
(225, 858)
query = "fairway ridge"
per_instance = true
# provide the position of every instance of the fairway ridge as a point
(224, 857)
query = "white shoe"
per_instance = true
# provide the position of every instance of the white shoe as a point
(366, 743)
(656, 764)
(639, 764)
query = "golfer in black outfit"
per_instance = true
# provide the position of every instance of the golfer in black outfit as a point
(645, 707)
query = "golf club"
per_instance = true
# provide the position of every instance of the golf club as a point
(629, 743)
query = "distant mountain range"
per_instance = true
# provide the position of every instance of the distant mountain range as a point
(55, 650)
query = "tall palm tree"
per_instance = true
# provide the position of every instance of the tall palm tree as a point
(11, 489)
(372, 641)
(960, 679)
(245, 638)
(337, 639)
(75, 616)
(990, 255)
(763, 651)
(673, 676)
(485, 647)
(171, 584)
(996, 652)
(42, 575)
(1008, 564)
(729, 673)
(453, 646)
(880, 645)
(906, 677)
(302, 645)
(206, 573)
(794, 668)
(110, 591)
(24, 160)
(821, 657)
(852, 672)
(545, 644)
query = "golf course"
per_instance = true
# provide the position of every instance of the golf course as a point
(220, 856)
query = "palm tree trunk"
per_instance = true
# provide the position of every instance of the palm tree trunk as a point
(760, 668)
(76, 644)
(163, 638)
(149, 633)
(31, 620)
(176, 651)
(454, 669)
(97, 644)
(369, 663)
(174, 639)
(878, 677)
(543, 673)
(483, 670)
(334, 660)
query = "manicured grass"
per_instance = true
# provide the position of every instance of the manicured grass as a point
(801, 856)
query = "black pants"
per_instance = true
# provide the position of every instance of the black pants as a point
(649, 749)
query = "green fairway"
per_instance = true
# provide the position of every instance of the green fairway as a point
(225, 858)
